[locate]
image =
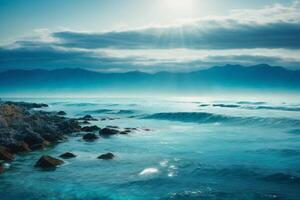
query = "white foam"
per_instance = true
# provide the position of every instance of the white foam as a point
(149, 171)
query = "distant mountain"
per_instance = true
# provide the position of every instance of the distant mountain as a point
(229, 77)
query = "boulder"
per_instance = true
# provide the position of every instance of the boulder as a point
(48, 162)
(90, 137)
(90, 128)
(5, 155)
(106, 156)
(67, 155)
(108, 132)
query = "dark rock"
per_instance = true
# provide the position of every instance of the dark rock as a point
(48, 162)
(42, 145)
(115, 127)
(61, 113)
(7, 136)
(88, 118)
(54, 137)
(69, 126)
(108, 132)
(37, 146)
(27, 105)
(67, 155)
(90, 137)
(30, 137)
(125, 132)
(18, 147)
(5, 155)
(1, 168)
(90, 128)
(107, 156)
(3, 122)
(85, 122)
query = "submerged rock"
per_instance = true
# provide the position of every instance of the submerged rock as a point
(106, 156)
(61, 113)
(90, 137)
(88, 118)
(114, 127)
(125, 132)
(48, 162)
(283, 178)
(67, 155)
(5, 154)
(108, 132)
(90, 128)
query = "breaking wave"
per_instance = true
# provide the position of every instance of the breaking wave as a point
(203, 117)
(255, 107)
(110, 111)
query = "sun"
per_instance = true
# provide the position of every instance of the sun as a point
(180, 6)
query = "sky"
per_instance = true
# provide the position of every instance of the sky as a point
(148, 35)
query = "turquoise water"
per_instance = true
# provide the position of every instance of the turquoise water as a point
(195, 149)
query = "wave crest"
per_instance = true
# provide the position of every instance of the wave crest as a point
(204, 117)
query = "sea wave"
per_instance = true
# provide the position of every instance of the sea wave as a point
(255, 107)
(110, 111)
(81, 104)
(204, 117)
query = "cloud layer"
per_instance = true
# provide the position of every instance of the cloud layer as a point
(244, 37)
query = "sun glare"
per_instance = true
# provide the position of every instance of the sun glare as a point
(179, 6)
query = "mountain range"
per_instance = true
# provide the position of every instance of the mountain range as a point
(227, 77)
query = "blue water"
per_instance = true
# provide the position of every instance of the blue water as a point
(195, 149)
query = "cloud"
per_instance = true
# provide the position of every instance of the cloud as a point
(270, 35)
(275, 26)
(208, 35)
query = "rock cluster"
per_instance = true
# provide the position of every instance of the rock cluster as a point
(23, 129)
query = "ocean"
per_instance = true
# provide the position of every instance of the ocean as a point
(183, 148)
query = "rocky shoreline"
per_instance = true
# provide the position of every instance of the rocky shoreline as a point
(24, 128)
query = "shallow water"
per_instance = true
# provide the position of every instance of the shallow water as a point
(247, 151)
